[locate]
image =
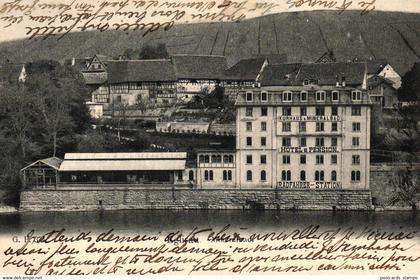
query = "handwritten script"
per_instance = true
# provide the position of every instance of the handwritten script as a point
(42, 19)
(213, 250)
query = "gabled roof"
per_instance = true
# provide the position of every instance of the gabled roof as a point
(53, 162)
(282, 74)
(248, 69)
(204, 67)
(154, 70)
(323, 73)
(327, 57)
(376, 66)
(245, 69)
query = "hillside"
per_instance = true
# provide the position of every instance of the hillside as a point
(303, 36)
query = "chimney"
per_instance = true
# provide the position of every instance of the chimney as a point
(343, 81)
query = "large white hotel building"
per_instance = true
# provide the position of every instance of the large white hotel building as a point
(305, 126)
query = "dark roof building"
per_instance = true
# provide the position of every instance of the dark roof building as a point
(199, 67)
(156, 70)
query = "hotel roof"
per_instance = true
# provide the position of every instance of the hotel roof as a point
(324, 73)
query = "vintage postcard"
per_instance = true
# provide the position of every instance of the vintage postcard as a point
(209, 138)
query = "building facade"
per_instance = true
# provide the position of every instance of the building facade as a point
(305, 128)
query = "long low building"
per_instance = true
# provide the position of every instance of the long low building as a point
(107, 168)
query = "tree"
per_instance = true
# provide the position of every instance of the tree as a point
(406, 181)
(410, 85)
(59, 103)
(154, 52)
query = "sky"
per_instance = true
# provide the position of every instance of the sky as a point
(19, 29)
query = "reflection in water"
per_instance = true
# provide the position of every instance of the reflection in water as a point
(148, 221)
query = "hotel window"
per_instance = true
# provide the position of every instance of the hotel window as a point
(286, 142)
(286, 175)
(302, 175)
(249, 159)
(286, 159)
(333, 176)
(319, 159)
(302, 126)
(320, 96)
(320, 111)
(319, 142)
(249, 141)
(264, 96)
(334, 111)
(224, 175)
(355, 141)
(263, 176)
(303, 96)
(303, 111)
(287, 111)
(249, 175)
(208, 175)
(334, 96)
(216, 159)
(249, 112)
(356, 111)
(191, 175)
(302, 159)
(206, 159)
(225, 159)
(334, 126)
(319, 126)
(356, 127)
(355, 176)
(248, 96)
(356, 95)
(286, 127)
(355, 159)
(319, 176)
(263, 111)
(263, 159)
(333, 159)
(334, 142)
(287, 96)
(303, 142)
(263, 141)
(263, 126)
(306, 82)
(248, 126)
(229, 175)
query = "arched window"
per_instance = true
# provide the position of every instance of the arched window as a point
(263, 176)
(191, 175)
(249, 175)
(206, 159)
(321, 175)
(302, 175)
(229, 175)
(283, 175)
(201, 158)
(224, 175)
(225, 159)
(231, 159)
(211, 175)
(333, 176)
(206, 175)
(213, 158)
(289, 175)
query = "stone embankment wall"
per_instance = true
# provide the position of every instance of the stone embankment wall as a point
(155, 198)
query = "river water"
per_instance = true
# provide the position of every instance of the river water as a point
(148, 221)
